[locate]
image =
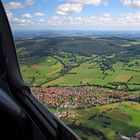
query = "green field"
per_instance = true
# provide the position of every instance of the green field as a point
(111, 120)
(108, 63)
(37, 74)
(51, 72)
(92, 74)
(73, 61)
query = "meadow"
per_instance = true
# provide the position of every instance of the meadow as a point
(110, 120)
(89, 72)
(111, 63)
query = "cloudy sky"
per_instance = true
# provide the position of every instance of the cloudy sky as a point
(74, 14)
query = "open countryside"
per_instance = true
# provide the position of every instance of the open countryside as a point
(90, 82)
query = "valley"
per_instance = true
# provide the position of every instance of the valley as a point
(92, 83)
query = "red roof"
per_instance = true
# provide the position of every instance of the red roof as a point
(137, 135)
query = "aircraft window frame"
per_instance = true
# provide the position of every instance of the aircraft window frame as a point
(22, 93)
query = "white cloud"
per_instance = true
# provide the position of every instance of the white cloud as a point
(27, 15)
(91, 2)
(60, 21)
(18, 5)
(18, 21)
(41, 20)
(29, 2)
(14, 5)
(21, 22)
(132, 3)
(131, 17)
(103, 21)
(69, 8)
(80, 21)
(76, 6)
(39, 14)
(106, 14)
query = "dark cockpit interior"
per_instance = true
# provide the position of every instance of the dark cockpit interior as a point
(22, 116)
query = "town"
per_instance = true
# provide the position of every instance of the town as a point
(76, 98)
(66, 99)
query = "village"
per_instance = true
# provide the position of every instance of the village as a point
(76, 98)
(65, 99)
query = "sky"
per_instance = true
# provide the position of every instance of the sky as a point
(73, 14)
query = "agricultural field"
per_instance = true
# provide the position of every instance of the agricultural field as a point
(39, 73)
(99, 62)
(110, 120)
(111, 64)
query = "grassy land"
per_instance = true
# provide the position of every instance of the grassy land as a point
(91, 73)
(74, 61)
(111, 63)
(48, 73)
(110, 119)
(37, 74)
